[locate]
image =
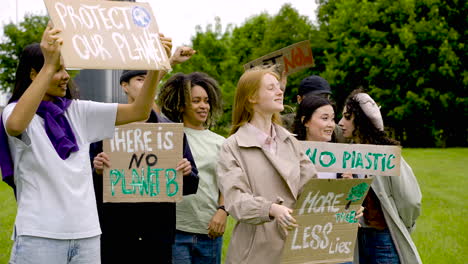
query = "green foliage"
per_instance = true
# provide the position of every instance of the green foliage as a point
(409, 54)
(222, 54)
(16, 38)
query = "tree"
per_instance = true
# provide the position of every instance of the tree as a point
(16, 38)
(222, 54)
(411, 55)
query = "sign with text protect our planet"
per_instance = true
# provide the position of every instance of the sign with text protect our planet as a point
(325, 213)
(143, 159)
(108, 35)
(368, 159)
(292, 58)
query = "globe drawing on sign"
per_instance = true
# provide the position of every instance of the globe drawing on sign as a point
(141, 17)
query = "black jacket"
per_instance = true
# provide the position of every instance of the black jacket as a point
(153, 222)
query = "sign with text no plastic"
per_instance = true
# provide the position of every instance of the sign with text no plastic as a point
(368, 159)
(143, 160)
(291, 59)
(108, 35)
(327, 228)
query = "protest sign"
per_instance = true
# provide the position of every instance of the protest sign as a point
(143, 159)
(108, 35)
(327, 229)
(355, 158)
(290, 59)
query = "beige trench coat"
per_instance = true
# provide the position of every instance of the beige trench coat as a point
(251, 179)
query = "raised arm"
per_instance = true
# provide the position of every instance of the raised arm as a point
(28, 103)
(141, 107)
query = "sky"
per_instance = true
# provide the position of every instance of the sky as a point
(178, 18)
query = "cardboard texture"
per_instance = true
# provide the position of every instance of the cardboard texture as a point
(356, 158)
(108, 35)
(291, 59)
(143, 160)
(327, 229)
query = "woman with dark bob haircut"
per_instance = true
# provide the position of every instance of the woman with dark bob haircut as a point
(315, 121)
(44, 145)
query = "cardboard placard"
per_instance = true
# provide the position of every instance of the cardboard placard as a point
(355, 158)
(291, 59)
(143, 160)
(108, 35)
(325, 213)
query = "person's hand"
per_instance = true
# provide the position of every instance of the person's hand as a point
(347, 175)
(51, 45)
(167, 44)
(359, 214)
(217, 224)
(101, 160)
(283, 80)
(184, 166)
(182, 54)
(283, 216)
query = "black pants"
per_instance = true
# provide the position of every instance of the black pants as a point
(121, 247)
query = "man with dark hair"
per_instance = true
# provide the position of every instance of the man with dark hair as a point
(140, 232)
(312, 85)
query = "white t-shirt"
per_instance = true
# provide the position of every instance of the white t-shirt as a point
(55, 197)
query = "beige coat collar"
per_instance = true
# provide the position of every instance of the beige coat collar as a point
(285, 166)
(245, 139)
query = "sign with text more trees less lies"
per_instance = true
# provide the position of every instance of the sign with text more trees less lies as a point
(291, 59)
(143, 163)
(327, 228)
(108, 34)
(367, 159)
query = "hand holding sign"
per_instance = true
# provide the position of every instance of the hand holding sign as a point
(51, 45)
(185, 167)
(283, 216)
(167, 44)
(100, 161)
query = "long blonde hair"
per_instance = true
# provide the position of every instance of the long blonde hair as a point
(247, 88)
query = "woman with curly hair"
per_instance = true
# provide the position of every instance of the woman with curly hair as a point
(393, 203)
(195, 100)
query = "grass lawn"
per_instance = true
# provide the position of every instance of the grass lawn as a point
(441, 233)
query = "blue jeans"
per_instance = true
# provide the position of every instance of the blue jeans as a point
(30, 249)
(196, 248)
(376, 247)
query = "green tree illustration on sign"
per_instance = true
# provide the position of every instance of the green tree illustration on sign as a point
(356, 193)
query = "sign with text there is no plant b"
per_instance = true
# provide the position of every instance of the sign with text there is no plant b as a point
(143, 158)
